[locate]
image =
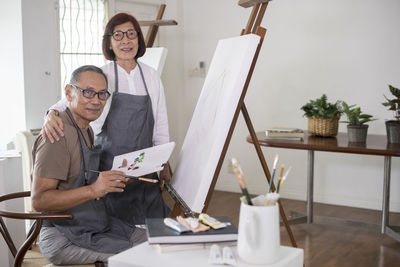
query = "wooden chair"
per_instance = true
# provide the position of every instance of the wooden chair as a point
(33, 257)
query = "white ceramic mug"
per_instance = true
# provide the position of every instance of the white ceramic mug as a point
(259, 236)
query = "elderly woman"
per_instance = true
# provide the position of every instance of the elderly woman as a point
(135, 118)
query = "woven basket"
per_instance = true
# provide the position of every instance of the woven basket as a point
(323, 126)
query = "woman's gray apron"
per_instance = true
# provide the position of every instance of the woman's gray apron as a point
(129, 127)
(91, 227)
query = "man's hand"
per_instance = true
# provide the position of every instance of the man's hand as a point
(107, 182)
(165, 176)
(53, 127)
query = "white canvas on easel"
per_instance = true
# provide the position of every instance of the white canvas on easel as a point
(155, 57)
(212, 118)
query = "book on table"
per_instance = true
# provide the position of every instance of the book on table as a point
(165, 248)
(158, 233)
(284, 138)
(284, 130)
(279, 132)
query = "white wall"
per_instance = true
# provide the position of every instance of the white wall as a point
(41, 58)
(30, 69)
(346, 49)
(12, 104)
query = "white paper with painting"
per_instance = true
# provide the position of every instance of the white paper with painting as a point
(212, 118)
(144, 161)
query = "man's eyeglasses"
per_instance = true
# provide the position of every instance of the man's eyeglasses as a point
(119, 35)
(103, 95)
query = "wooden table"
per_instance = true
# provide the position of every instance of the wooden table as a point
(375, 145)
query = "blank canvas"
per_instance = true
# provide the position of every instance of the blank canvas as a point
(155, 57)
(212, 118)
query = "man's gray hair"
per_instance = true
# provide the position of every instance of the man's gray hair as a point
(77, 73)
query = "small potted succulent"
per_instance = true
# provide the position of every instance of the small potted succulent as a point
(357, 128)
(393, 126)
(323, 116)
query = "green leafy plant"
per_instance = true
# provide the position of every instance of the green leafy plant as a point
(321, 108)
(354, 115)
(393, 104)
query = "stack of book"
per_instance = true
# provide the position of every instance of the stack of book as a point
(279, 133)
(165, 239)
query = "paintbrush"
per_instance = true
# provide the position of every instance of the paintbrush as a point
(281, 181)
(135, 178)
(239, 174)
(280, 178)
(271, 181)
(142, 179)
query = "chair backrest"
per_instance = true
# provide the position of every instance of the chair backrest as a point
(23, 143)
(19, 253)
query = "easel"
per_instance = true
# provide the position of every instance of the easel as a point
(253, 26)
(154, 25)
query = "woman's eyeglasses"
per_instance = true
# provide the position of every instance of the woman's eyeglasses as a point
(119, 35)
(103, 95)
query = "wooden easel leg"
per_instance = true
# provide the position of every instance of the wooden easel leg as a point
(252, 17)
(266, 170)
(260, 16)
(176, 211)
(152, 32)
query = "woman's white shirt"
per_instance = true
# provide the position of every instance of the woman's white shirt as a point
(132, 83)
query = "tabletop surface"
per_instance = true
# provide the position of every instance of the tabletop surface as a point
(9, 154)
(145, 255)
(375, 144)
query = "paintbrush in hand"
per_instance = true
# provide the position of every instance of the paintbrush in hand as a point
(135, 178)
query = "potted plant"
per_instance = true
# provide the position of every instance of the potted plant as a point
(323, 116)
(393, 126)
(357, 128)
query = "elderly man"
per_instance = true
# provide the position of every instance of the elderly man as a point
(65, 178)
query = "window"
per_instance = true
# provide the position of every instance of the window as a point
(82, 25)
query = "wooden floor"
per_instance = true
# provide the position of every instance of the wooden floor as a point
(329, 242)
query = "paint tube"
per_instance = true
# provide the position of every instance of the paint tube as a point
(214, 223)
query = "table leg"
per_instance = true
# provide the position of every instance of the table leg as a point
(310, 185)
(386, 193)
